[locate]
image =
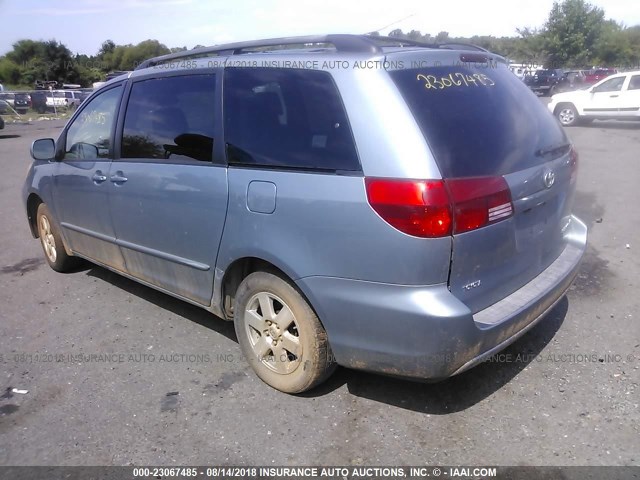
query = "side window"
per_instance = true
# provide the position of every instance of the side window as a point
(286, 118)
(89, 136)
(634, 83)
(613, 85)
(171, 118)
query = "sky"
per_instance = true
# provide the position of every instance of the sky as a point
(82, 25)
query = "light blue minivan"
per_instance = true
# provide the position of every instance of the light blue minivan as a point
(350, 200)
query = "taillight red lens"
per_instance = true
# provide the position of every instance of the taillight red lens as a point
(438, 208)
(479, 201)
(416, 207)
(573, 164)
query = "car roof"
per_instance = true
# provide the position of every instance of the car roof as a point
(285, 52)
(334, 45)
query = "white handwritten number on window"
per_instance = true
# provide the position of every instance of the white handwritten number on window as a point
(431, 82)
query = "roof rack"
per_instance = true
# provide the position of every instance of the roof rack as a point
(401, 41)
(341, 42)
(463, 46)
(415, 43)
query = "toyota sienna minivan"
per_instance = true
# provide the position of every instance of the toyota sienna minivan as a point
(370, 202)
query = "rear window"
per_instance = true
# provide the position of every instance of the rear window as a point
(478, 121)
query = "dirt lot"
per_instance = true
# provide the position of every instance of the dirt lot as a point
(175, 391)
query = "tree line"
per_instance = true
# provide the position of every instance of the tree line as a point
(576, 34)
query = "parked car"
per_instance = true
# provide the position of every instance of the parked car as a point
(573, 80)
(5, 107)
(50, 100)
(522, 70)
(39, 101)
(56, 99)
(615, 98)
(22, 102)
(546, 82)
(408, 221)
(594, 76)
(8, 97)
(73, 98)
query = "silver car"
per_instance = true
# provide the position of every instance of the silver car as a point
(369, 202)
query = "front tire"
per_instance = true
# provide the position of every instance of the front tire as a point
(280, 334)
(54, 251)
(567, 115)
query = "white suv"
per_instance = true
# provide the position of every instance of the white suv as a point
(616, 97)
(63, 98)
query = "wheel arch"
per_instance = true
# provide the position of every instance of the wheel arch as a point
(33, 202)
(239, 269)
(563, 104)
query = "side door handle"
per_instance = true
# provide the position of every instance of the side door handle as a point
(613, 96)
(98, 177)
(118, 177)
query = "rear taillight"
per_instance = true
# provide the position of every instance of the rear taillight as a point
(438, 208)
(479, 201)
(416, 207)
(573, 164)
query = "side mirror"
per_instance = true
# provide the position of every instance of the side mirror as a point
(43, 149)
(84, 151)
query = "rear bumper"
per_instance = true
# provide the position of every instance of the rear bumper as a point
(425, 331)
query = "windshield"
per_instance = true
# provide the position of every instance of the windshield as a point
(478, 120)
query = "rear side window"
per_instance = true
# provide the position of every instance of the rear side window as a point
(171, 118)
(634, 83)
(286, 118)
(478, 121)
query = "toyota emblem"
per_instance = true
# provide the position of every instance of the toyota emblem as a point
(549, 178)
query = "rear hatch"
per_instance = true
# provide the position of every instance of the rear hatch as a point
(498, 149)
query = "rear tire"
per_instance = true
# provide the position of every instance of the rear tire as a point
(280, 334)
(54, 251)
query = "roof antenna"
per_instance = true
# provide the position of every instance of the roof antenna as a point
(391, 24)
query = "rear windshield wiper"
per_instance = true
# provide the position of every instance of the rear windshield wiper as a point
(560, 149)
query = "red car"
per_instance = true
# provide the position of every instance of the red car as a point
(595, 76)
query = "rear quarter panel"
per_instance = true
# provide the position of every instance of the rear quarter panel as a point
(322, 225)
